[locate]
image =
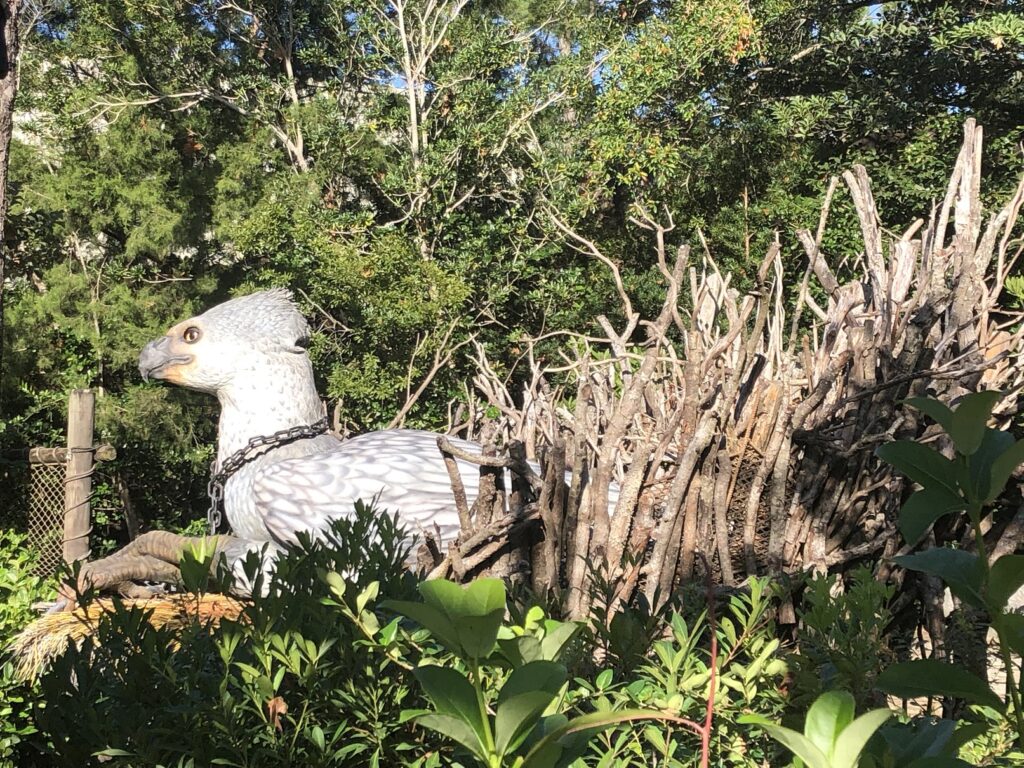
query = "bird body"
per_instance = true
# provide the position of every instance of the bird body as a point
(305, 485)
(249, 352)
(276, 472)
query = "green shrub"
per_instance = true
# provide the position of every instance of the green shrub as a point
(842, 643)
(290, 683)
(318, 673)
(831, 738)
(674, 677)
(19, 589)
(966, 484)
(513, 672)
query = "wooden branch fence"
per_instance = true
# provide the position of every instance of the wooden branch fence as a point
(744, 430)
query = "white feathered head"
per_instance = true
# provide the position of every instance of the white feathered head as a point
(232, 339)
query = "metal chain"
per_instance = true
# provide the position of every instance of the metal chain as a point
(256, 447)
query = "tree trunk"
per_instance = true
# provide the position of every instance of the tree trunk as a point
(9, 46)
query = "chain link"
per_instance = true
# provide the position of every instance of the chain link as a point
(256, 447)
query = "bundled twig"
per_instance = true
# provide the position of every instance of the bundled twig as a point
(746, 434)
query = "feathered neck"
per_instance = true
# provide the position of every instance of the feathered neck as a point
(268, 397)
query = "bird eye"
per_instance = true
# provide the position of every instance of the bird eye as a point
(192, 335)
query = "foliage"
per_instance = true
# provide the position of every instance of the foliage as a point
(308, 679)
(674, 674)
(832, 738)
(972, 480)
(528, 728)
(842, 643)
(287, 684)
(19, 589)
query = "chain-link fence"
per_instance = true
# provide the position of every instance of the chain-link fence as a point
(47, 491)
(46, 511)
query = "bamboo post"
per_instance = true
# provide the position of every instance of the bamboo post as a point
(78, 482)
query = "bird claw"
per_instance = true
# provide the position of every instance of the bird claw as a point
(59, 605)
(67, 597)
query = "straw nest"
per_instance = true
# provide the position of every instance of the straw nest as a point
(49, 635)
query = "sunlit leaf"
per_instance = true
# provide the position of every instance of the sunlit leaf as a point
(970, 419)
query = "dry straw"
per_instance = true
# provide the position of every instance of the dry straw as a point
(48, 636)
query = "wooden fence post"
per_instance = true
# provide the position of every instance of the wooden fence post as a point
(78, 484)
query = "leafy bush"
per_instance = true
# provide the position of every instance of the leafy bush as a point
(286, 684)
(842, 642)
(969, 482)
(321, 672)
(529, 727)
(676, 675)
(832, 738)
(19, 589)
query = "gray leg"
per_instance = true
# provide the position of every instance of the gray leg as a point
(153, 556)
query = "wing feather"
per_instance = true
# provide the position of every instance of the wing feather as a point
(401, 470)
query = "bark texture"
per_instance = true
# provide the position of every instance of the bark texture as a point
(9, 46)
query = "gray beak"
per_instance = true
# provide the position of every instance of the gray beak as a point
(155, 357)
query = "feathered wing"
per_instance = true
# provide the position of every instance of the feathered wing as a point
(401, 469)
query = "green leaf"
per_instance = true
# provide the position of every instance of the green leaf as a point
(316, 735)
(484, 597)
(830, 713)
(920, 463)
(368, 595)
(544, 676)
(477, 634)
(855, 736)
(1003, 467)
(430, 619)
(798, 744)
(1004, 579)
(336, 582)
(451, 694)
(520, 650)
(920, 738)
(540, 755)
(1010, 627)
(960, 570)
(994, 445)
(931, 677)
(924, 507)
(557, 636)
(939, 411)
(474, 612)
(604, 679)
(455, 729)
(444, 596)
(516, 716)
(970, 420)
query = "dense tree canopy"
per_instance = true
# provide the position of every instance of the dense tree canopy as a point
(422, 171)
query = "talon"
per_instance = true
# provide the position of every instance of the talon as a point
(60, 605)
(67, 597)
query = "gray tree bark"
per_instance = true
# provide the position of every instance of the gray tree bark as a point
(9, 47)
